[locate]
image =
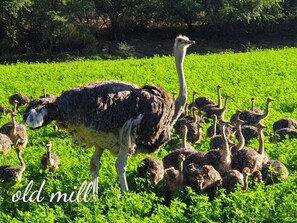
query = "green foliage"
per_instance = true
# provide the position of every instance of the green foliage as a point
(30, 26)
(242, 75)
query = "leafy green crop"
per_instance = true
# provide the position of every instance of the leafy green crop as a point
(262, 74)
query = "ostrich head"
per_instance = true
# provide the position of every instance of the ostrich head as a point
(40, 112)
(182, 43)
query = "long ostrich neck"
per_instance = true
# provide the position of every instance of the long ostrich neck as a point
(181, 170)
(245, 181)
(14, 125)
(261, 142)
(266, 111)
(49, 160)
(225, 105)
(219, 98)
(193, 99)
(23, 165)
(241, 140)
(194, 115)
(253, 105)
(226, 155)
(214, 125)
(183, 91)
(184, 138)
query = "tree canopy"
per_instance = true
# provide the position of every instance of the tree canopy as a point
(61, 25)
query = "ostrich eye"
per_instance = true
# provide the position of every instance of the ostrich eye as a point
(179, 40)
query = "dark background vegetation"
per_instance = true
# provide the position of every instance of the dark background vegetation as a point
(43, 28)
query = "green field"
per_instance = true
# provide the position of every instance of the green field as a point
(262, 74)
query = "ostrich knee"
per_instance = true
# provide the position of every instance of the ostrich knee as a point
(94, 167)
(121, 164)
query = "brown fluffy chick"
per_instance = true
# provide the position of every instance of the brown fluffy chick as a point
(234, 178)
(18, 99)
(10, 175)
(174, 179)
(15, 131)
(49, 159)
(152, 166)
(208, 179)
(274, 172)
(5, 144)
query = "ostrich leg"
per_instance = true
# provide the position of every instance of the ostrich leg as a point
(95, 166)
(121, 164)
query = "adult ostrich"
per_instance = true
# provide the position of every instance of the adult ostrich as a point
(121, 117)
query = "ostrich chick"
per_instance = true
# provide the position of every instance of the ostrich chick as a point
(285, 132)
(16, 132)
(152, 166)
(284, 123)
(49, 159)
(10, 175)
(5, 144)
(18, 99)
(220, 159)
(121, 117)
(219, 112)
(253, 118)
(274, 172)
(234, 178)
(208, 179)
(174, 179)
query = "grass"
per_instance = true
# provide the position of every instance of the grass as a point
(262, 74)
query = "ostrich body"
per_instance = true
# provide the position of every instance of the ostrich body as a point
(21, 100)
(220, 159)
(174, 178)
(152, 166)
(284, 123)
(274, 172)
(219, 104)
(207, 179)
(253, 110)
(247, 158)
(10, 174)
(253, 118)
(286, 132)
(219, 112)
(49, 159)
(201, 102)
(234, 178)
(204, 102)
(122, 117)
(195, 158)
(5, 144)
